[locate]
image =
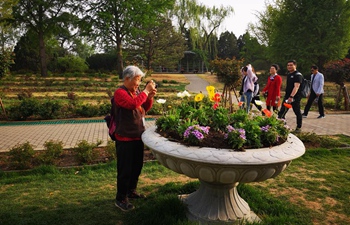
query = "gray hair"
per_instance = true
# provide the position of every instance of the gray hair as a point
(131, 72)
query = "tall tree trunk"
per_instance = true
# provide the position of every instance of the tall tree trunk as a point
(346, 98)
(43, 65)
(120, 58)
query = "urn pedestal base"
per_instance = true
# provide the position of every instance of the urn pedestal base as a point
(219, 172)
(218, 204)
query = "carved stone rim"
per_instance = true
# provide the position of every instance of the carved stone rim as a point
(291, 149)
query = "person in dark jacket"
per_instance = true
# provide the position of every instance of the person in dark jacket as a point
(132, 105)
(292, 94)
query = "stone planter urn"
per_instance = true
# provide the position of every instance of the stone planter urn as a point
(219, 172)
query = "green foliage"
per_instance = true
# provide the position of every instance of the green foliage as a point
(86, 152)
(52, 151)
(227, 46)
(191, 117)
(26, 108)
(71, 64)
(6, 60)
(88, 110)
(49, 109)
(320, 141)
(111, 150)
(287, 26)
(22, 156)
(228, 71)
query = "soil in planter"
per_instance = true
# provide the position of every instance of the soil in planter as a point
(214, 139)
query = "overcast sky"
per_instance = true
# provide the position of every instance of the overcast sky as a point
(244, 11)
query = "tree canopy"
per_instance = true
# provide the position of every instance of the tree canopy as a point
(309, 31)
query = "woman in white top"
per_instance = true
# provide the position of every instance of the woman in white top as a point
(247, 89)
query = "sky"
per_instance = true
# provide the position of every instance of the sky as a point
(244, 11)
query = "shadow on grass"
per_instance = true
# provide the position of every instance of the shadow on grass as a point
(161, 207)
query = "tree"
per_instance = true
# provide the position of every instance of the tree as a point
(161, 45)
(227, 46)
(115, 20)
(310, 31)
(253, 52)
(44, 18)
(338, 71)
(198, 23)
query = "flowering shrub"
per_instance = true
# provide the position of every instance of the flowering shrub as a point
(203, 121)
(194, 134)
(235, 137)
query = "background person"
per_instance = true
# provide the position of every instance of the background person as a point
(272, 90)
(247, 88)
(256, 97)
(316, 94)
(292, 93)
(132, 104)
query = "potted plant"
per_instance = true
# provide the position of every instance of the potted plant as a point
(202, 139)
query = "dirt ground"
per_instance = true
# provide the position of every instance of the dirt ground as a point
(66, 160)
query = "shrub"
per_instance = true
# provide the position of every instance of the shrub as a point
(6, 59)
(52, 151)
(85, 151)
(49, 109)
(21, 156)
(71, 64)
(110, 150)
(26, 108)
(88, 110)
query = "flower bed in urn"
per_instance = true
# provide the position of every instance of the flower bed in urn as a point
(204, 121)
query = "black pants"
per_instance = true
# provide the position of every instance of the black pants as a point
(129, 166)
(268, 107)
(296, 109)
(312, 98)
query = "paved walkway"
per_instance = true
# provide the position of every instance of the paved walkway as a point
(72, 133)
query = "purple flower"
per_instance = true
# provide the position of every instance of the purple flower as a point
(198, 134)
(196, 131)
(242, 133)
(230, 128)
(265, 128)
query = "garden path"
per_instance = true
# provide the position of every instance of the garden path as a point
(70, 134)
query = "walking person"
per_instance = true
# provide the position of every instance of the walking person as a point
(256, 97)
(247, 88)
(292, 94)
(132, 104)
(272, 90)
(316, 94)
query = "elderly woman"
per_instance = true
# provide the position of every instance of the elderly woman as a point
(132, 104)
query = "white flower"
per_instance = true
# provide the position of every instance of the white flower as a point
(186, 93)
(161, 101)
(180, 95)
(183, 94)
(258, 102)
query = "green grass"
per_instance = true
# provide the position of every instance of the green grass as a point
(314, 189)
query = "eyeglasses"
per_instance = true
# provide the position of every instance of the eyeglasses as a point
(312, 70)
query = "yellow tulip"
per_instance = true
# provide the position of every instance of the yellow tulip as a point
(199, 97)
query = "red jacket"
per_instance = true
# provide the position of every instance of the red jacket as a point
(273, 88)
(131, 114)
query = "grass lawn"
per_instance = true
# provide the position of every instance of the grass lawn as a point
(314, 189)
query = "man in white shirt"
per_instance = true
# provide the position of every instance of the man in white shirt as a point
(316, 94)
